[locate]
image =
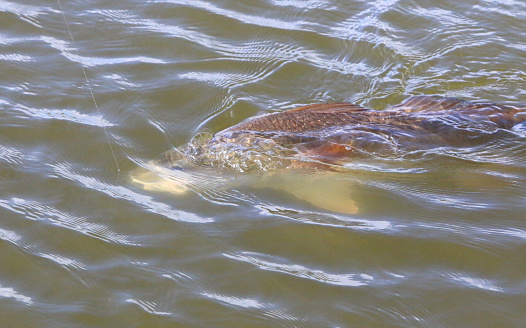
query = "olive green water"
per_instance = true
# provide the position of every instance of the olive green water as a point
(440, 236)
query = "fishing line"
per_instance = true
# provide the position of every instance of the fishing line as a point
(89, 86)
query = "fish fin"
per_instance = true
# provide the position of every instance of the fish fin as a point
(330, 152)
(327, 194)
(431, 104)
(327, 108)
(503, 115)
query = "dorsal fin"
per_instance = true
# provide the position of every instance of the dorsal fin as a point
(328, 108)
(431, 104)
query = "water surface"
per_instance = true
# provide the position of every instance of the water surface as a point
(440, 237)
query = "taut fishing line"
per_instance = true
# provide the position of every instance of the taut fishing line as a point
(89, 85)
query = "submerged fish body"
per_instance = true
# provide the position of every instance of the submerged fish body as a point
(326, 136)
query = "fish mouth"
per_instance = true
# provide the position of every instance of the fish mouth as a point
(156, 178)
(166, 173)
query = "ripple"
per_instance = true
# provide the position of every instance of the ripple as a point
(511, 232)
(236, 15)
(61, 114)
(324, 219)
(235, 301)
(350, 279)
(126, 83)
(150, 25)
(11, 155)
(231, 80)
(303, 4)
(262, 50)
(35, 211)
(354, 29)
(8, 292)
(16, 58)
(120, 192)
(71, 54)
(27, 13)
(476, 282)
(148, 306)
(508, 8)
(9, 235)
(63, 261)
(479, 236)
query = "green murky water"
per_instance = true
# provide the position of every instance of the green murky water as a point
(439, 239)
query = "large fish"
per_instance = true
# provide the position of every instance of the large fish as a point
(326, 136)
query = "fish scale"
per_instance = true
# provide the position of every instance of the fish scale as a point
(412, 112)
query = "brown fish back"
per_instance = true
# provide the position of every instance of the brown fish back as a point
(505, 116)
(411, 111)
(306, 118)
(326, 136)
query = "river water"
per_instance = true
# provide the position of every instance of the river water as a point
(438, 238)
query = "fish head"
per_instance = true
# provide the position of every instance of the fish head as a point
(168, 173)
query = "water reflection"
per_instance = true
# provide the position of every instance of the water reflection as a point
(348, 279)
